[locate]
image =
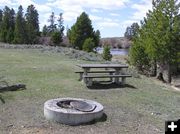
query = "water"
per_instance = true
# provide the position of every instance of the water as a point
(114, 51)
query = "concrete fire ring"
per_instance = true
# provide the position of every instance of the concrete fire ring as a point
(71, 116)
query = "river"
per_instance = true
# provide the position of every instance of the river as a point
(114, 51)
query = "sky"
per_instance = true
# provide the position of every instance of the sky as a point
(111, 17)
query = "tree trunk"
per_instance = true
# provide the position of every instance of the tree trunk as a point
(160, 71)
(169, 73)
(154, 72)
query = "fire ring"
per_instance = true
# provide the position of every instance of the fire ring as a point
(72, 111)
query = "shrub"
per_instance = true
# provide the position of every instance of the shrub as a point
(106, 53)
(88, 45)
(56, 38)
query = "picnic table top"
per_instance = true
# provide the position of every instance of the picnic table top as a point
(102, 66)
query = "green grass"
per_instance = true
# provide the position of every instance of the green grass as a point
(51, 75)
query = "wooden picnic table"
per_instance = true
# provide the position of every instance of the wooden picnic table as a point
(86, 68)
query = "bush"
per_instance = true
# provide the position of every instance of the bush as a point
(138, 57)
(56, 38)
(107, 53)
(88, 45)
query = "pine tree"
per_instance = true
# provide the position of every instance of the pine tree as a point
(1, 17)
(60, 24)
(132, 31)
(52, 27)
(10, 30)
(159, 35)
(107, 53)
(4, 24)
(32, 24)
(7, 25)
(45, 30)
(165, 50)
(80, 31)
(97, 36)
(88, 45)
(57, 33)
(20, 36)
(60, 27)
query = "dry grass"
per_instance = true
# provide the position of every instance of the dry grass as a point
(142, 106)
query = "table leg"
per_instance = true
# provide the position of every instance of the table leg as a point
(111, 79)
(85, 74)
(117, 72)
(123, 80)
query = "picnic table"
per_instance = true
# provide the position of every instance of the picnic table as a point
(115, 72)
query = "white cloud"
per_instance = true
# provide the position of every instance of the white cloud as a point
(127, 23)
(5, 2)
(43, 8)
(95, 18)
(114, 14)
(141, 9)
(98, 4)
(25, 3)
(107, 24)
(94, 10)
(70, 16)
(73, 8)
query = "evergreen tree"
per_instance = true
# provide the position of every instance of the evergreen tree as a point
(128, 33)
(1, 17)
(88, 45)
(131, 31)
(6, 25)
(60, 24)
(80, 31)
(97, 37)
(52, 27)
(159, 35)
(45, 30)
(55, 37)
(10, 30)
(32, 24)
(106, 52)
(20, 27)
(60, 27)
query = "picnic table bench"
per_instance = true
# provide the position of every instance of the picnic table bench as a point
(94, 72)
(88, 75)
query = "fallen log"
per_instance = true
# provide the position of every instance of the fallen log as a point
(12, 88)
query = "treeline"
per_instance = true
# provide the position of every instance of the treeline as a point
(20, 28)
(156, 42)
(17, 27)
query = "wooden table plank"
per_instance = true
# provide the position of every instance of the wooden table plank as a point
(102, 66)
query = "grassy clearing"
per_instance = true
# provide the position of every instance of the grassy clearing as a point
(141, 107)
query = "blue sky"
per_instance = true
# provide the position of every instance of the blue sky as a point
(111, 17)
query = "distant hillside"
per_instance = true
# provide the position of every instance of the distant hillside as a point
(116, 42)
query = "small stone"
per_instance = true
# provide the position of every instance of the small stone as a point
(11, 125)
